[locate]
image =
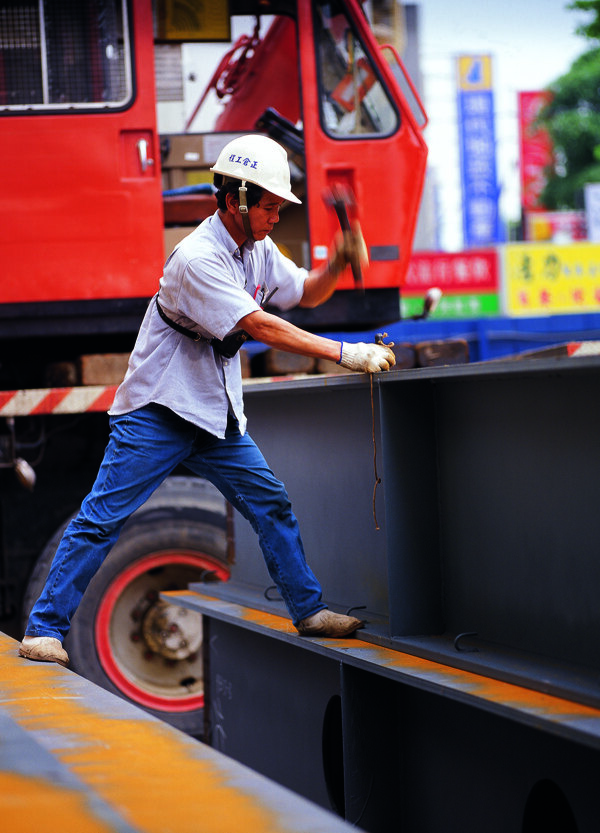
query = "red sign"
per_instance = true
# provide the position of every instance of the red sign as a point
(556, 226)
(535, 147)
(466, 272)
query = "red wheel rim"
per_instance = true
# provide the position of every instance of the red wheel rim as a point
(108, 660)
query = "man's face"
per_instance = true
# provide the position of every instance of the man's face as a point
(264, 215)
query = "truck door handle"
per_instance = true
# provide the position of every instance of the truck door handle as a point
(145, 161)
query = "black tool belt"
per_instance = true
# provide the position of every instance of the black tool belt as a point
(226, 347)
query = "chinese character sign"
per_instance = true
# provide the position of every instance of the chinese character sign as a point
(477, 142)
(592, 210)
(453, 271)
(550, 280)
(535, 149)
(469, 281)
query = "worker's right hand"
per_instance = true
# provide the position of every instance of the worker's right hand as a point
(367, 358)
(348, 248)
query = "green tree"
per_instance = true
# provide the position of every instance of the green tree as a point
(591, 29)
(572, 118)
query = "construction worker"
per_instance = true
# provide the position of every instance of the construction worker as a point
(181, 399)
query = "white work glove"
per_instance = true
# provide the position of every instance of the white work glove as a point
(347, 248)
(367, 358)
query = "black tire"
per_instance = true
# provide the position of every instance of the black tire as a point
(123, 637)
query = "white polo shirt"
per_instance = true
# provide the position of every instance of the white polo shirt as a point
(208, 285)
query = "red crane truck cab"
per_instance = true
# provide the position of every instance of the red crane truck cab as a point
(81, 205)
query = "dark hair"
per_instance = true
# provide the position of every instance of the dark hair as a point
(231, 186)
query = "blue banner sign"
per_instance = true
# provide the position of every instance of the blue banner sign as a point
(477, 142)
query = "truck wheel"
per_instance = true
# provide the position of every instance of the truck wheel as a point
(123, 636)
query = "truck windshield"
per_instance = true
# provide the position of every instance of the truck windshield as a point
(64, 55)
(352, 96)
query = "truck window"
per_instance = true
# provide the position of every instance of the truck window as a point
(353, 99)
(64, 55)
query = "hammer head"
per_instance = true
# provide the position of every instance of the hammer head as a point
(341, 199)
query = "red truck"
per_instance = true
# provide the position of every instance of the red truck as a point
(92, 199)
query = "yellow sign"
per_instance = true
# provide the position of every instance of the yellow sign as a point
(549, 280)
(190, 20)
(474, 73)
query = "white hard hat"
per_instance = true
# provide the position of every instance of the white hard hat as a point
(257, 159)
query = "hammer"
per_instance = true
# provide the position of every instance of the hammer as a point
(340, 199)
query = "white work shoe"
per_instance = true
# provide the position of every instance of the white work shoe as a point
(43, 649)
(326, 623)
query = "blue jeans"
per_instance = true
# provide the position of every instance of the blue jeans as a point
(144, 447)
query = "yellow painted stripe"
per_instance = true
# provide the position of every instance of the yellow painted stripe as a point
(28, 805)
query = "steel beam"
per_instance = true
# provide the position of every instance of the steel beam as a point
(486, 507)
(388, 739)
(472, 698)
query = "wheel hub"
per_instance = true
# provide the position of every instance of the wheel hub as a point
(172, 631)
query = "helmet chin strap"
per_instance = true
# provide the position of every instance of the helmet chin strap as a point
(244, 210)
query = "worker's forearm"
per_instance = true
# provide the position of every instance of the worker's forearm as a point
(319, 286)
(274, 331)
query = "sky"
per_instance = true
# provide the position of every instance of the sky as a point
(531, 42)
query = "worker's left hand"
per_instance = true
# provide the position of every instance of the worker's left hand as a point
(367, 358)
(348, 248)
